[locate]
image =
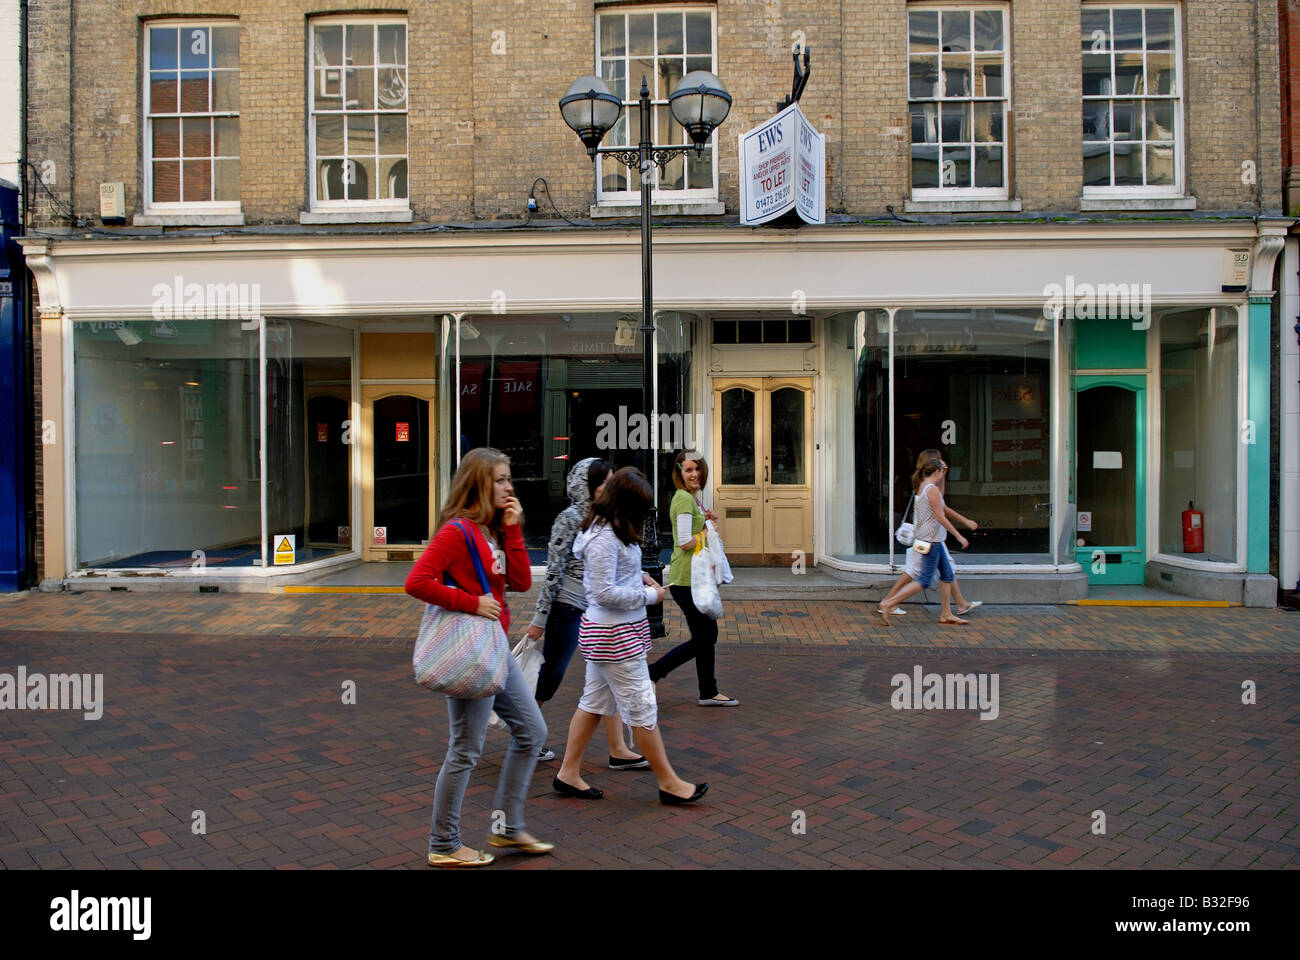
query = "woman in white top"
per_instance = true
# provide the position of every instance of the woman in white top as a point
(932, 527)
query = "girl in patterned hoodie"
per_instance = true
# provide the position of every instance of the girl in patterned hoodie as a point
(561, 601)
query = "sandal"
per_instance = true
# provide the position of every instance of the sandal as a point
(481, 859)
(973, 604)
(951, 621)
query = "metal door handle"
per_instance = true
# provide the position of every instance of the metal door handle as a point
(765, 473)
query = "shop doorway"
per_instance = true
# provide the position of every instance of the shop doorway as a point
(1110, 478)
(763, 483)
(398, 463)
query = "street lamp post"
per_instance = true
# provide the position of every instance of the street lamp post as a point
(700, 103)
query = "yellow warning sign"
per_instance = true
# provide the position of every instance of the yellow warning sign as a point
(284, 548)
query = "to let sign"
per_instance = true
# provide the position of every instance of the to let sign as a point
(783, 168)
(403, 432)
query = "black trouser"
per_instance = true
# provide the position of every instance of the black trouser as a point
(704, 635)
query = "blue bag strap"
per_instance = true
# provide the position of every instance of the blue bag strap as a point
(478, 561)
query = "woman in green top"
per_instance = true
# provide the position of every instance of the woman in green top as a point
(687, 517)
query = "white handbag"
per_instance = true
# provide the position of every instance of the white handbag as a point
(906, 532)
(529, 657)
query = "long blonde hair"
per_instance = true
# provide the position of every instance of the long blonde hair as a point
(473, 490)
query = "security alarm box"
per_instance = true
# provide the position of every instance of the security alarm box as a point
(112, 201)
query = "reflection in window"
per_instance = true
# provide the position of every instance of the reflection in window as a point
(787, 436)
(738, 464)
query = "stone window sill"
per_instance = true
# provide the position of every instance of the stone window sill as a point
(1137, 203)
(711, 209)
(188, 220)
(355, 216)
(962, 206)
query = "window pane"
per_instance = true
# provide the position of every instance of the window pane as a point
(392, 179)
(988, 30)
(956, 31)
(225, 91)
(749, 331)
(956, 167)
(956, 76)
(612, 41)
(923, 77)
(392, 44)
(194, 92)
(167, 182)
(699, 32)
(226, 134)
(699, 63)
(361, 135)
(225, 47)
(1199, 440)
(195, 54)
(774, 331)
(227, 180)
(1096, 120)
(613, 72)
(1128, 74)
(1160, 120)
(166, 138)
(637, 71)
(923, 31)
(1128, 164)
(954, 121)
(1160, 73)
(1096, 74)
(738, 465)
(362, 172)
(670, 74)
(330, 184)
(1095, 24)
(196, 137)
(724, 331)
(329, 47)
(1096, 164)
(925, 167)
(162, 48)
(987, 123)
(787, 440)
(1160, 164)
(1128, 29)
(162, 93)
(359, 45)
(392, 134)
(670, 30)
(988, 77)
(925, 122)
(988, 166)
(329, 136)
(641, 34)
(699, 172)
(197, 183)
(392, 88)
(360, 89)
(1127, 115)
(1160, 29)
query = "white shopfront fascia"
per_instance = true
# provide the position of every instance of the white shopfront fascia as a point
(698, 270)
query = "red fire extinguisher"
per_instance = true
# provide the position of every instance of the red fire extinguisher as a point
(1193, 532)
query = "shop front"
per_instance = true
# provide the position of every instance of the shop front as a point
(809, 368)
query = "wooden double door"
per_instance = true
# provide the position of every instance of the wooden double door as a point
(763, 478)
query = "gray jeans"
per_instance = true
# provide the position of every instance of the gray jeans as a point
(467, 725)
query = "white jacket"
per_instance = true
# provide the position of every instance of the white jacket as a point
(611, 576)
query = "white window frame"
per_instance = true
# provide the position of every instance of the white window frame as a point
(315, 204)
(210, 207)
(964, 193)
(686, 197)
(1143, 191)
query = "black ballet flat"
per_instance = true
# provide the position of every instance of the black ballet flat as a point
(591, 793)
(673, 800)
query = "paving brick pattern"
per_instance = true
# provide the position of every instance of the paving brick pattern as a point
(233, 706)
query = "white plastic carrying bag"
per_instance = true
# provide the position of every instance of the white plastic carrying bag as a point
(721, 566)
(704, 585)
(529, 657)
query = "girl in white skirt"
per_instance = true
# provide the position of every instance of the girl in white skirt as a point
(614, 637)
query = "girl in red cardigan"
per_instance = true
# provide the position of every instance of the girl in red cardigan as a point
(481, 502)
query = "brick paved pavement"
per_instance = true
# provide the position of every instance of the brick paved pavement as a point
(231, 705)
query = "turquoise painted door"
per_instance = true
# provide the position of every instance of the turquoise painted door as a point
(1110, 477)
